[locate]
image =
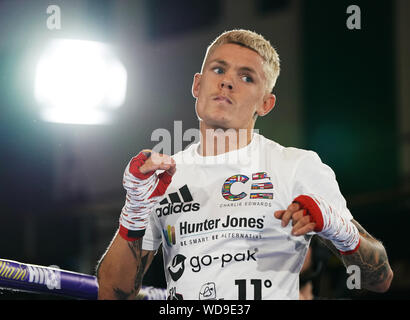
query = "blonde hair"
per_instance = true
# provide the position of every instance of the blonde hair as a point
(255, 42)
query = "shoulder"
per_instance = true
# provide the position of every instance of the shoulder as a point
(188, 152)
(289, 154)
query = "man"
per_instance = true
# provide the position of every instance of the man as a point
(240, 209)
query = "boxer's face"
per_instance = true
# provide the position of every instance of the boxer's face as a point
(231, 88)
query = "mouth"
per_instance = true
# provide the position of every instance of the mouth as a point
(223, 99)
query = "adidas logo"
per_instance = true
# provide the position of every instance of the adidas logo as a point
(173, 203)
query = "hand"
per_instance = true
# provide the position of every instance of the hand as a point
(311, 213)
(144, 165)
(144, 189)
(157, 161)
(300, 221)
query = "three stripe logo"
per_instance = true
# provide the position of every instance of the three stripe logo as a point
(177, 202)
(174, 197)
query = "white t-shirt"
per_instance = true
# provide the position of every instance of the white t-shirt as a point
(220, 237)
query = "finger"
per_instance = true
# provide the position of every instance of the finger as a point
(156, 162)
(286, 218)
(294, 206)
(301, 223)
(159, 158)
(168, 164)
(148, 167)
(288, 214)
(297, 216)
(305, 229)
(278, 214)
(162, 166)
(171, 171)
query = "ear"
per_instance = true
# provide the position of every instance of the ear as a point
(268, 104)
(196, 85)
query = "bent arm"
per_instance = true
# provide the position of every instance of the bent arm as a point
(371, 258)
(121, 269)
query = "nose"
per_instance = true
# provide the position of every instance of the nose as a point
(226, 84)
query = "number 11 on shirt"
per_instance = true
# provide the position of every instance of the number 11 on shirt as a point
(257, 288)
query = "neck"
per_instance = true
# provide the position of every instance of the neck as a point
(216, 141)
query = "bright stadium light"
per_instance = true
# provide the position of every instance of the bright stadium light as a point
(79, 82)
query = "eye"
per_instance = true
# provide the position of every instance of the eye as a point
(247, 78)
(218, 70)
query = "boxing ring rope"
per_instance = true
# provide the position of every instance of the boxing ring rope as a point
(24, 277)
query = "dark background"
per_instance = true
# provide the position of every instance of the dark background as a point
(342, 93)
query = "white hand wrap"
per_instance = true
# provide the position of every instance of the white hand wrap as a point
(329, 224)
(143, 193)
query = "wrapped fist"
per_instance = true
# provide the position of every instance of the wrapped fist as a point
(144, 189)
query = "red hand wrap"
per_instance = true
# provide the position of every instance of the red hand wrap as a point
(137, 162)
(330, 224)
(311, 209)
(143, 192)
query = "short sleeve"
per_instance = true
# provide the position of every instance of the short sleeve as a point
(153, 237)
(312, 176)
